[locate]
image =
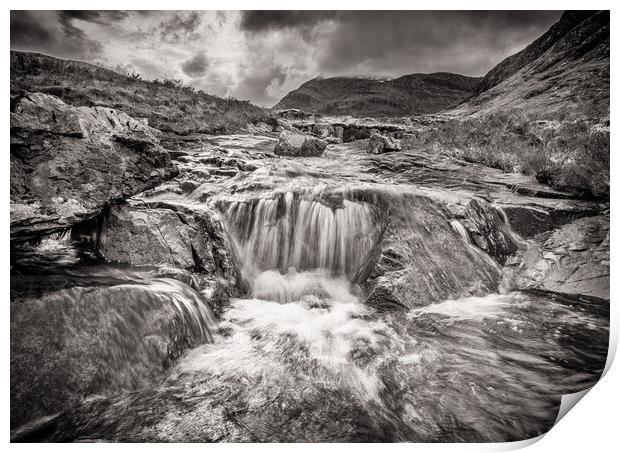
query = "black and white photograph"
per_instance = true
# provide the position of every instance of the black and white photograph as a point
(306, 226)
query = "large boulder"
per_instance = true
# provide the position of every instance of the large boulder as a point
(67, 163)
(92, 340)
(297, 145)
(424, 255)
(172, 236)
(378, 144)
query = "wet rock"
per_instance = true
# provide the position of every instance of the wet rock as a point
(489, 231)
(296, 145)
(68, 163)
(99, 339)
(420, 259)
(353, 133)
(379, 144)
(530, 221)
(168, 235)
(573, 259)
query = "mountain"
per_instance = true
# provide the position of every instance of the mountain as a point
(167, 104)
(408, 95)
(565, 70)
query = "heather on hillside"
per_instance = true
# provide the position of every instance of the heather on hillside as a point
(168, 104)
(571, 154)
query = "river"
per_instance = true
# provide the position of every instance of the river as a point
(299, 354)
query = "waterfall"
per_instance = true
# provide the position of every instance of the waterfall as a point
(512, 235)
(291, 232)
(461, 230)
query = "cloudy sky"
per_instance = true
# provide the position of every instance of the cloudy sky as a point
(262, 55)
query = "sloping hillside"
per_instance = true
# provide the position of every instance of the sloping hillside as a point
(407, 95)
(166, 104)
(564, 72)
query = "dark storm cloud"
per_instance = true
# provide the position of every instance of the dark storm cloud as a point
(399, 42)
(257, 21)
(196, 66)
(26, 30)
(51, 32)
(261, 55)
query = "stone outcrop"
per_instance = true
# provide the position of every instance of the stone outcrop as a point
(169, 235)
(488, 230)
(296, 145)
(68, 163)
(421, 257)
(350, 130)
(378, 144)
(573, 259)
(82, 341)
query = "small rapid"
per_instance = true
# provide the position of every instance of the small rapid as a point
(323, 367)
(309, 361)
(304, 352)
(95, 328)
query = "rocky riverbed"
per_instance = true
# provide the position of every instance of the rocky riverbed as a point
(207, 288)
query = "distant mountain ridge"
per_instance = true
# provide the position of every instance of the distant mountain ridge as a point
(565, 70)
(407, 95)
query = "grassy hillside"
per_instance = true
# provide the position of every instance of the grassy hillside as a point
(543, 111)
(167, 104)
(408, 95)
(564, 74)
(572, 156)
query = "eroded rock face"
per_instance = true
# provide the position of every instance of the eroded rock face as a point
(488, 230)
(573, 259)
(168, 235)
(296, 145)
(421, 258)
(82, 341)
(379, 144)
(67, 163)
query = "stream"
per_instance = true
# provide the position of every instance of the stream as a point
(307, 350)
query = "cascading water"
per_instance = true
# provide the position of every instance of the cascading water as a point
(288, 231)
(98, 328)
